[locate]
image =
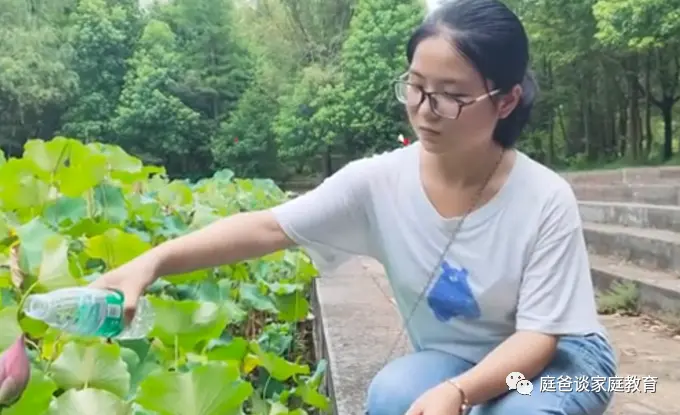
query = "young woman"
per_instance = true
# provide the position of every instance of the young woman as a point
(483, 246)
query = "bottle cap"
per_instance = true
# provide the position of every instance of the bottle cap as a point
(36, 306)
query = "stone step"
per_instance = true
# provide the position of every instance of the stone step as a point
(659, 291)
(645, 175)
(656, 194)
(637, 215)
(647, 248)
(594, 177)
(358, 326)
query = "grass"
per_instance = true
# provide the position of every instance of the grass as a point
(622, 298)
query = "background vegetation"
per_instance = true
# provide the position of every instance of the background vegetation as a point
(277, 88)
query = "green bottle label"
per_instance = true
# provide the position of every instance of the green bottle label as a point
(102, 320)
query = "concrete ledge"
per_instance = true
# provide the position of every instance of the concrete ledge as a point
(631, 214)
(659, 292)
(359, 325)
(321, 345)
(629, 175)
(656, 194)
(646, 248)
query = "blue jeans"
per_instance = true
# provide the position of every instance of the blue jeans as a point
(403, 380)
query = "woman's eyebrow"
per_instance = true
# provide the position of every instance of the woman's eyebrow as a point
(438, 80)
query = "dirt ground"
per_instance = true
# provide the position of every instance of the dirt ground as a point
(646, 348)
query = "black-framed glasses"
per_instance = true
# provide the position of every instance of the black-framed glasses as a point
(443, 104)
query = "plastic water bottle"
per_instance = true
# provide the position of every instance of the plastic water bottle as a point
(90, 312)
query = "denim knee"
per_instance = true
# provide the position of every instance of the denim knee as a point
(405, 379)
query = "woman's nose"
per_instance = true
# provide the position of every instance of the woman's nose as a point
(426, 108)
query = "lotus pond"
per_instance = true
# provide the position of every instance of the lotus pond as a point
(229, 340)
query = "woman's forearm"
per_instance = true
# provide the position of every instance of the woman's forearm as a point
(228, 240)
(525, 352)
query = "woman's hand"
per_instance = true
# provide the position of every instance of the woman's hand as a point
(443, 399)
(131, 279)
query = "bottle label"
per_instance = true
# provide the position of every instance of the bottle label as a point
(103, 318)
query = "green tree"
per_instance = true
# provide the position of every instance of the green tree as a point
(297, 45)
(216, 63)
(245, 142)
(304, 126)
(36, 80)
(651, 29)
(102, 38)
(152, 122)
(372, 57)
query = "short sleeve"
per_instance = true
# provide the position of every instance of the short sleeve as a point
(556, 295)
(331, 222)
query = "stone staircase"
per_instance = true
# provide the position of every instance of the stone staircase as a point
(631, 222)
(632, 228)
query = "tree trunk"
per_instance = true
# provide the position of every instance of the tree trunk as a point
(634, 116)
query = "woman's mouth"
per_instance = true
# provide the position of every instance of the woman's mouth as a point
(428, 131)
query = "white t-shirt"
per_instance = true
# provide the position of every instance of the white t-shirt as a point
(518, 263)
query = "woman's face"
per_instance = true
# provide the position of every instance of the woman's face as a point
(437, 67)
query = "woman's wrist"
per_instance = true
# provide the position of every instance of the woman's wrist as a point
(150, 264)
(464, 403)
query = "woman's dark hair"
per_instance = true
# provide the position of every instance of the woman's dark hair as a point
(495, 43)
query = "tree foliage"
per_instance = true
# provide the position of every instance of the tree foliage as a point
(280, 88)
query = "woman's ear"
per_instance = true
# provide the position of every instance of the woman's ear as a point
(509, 101)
